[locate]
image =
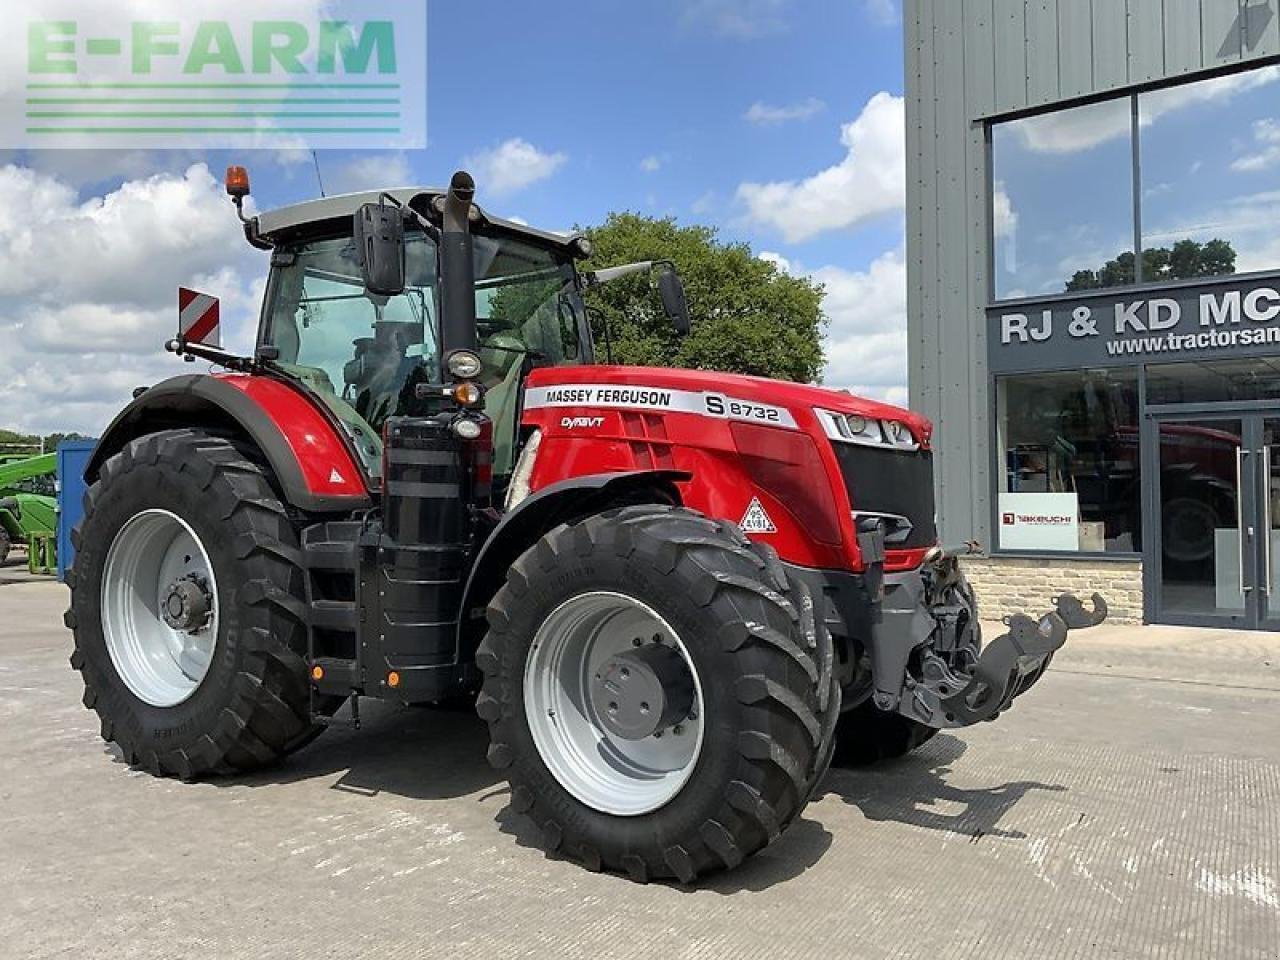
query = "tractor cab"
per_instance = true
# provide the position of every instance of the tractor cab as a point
(371, 357)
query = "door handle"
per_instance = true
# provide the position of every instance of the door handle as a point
(1266, 517)
(1240, 454)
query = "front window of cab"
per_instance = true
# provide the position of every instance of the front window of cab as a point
(364, 355)
(529, 313)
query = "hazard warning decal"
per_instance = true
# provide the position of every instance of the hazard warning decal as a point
(199, 318)
(756, 520)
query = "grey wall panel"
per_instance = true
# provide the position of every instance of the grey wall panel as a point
(1075, 48)
(1110, 44)
(979, 56)
(1221, 35)
(955, 448)
(1183, 41)
(1011, 53)
(1042, 49)
(1146, 40)
(1261, 29)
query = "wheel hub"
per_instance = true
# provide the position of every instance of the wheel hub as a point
(187, 604)
(642, 692)
(159, 607)
(622, 761)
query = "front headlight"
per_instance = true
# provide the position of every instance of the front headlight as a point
(464, 364)
(853, 428)
(523, 473)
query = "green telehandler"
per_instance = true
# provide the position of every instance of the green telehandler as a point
(28, 516)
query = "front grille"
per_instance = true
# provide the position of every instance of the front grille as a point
(896, 483)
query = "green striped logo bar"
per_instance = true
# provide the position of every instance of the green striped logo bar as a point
(283, 74)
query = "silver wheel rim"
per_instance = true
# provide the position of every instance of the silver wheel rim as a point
(160, 664)
(604, 771)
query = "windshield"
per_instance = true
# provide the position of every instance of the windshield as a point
(364, 355)
(528, 314)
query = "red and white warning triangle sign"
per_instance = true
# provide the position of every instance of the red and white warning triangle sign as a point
(199, 318)
(756, 520)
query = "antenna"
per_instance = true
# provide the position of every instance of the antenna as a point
(319, 178)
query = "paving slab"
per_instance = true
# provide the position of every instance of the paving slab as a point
(1128, 807)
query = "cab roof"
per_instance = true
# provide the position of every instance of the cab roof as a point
(276, 225)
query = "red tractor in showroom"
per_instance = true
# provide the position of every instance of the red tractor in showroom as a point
(671, 593)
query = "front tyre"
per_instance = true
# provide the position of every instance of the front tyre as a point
(658, 694)
(187, 610)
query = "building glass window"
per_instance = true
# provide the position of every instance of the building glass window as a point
(1221, 381)
(1211, 176)
(1062, 200)
(1069, 449)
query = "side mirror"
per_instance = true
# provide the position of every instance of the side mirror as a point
(379, 237)
(674, 301)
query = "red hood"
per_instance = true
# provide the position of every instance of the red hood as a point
(759, 389)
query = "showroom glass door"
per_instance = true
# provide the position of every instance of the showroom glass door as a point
(1267, 517)
(1215, 556)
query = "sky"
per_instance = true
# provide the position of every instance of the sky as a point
(780, 122)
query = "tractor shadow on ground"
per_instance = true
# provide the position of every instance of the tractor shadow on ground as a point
(914, 790)
(420, 753)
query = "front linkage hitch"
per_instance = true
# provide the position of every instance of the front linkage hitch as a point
(957, 684)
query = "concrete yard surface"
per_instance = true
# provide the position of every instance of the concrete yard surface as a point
(1128, 807)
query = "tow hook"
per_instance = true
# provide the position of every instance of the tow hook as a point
(947, 698)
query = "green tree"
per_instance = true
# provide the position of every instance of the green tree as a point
(1187, 260)
(748, 316)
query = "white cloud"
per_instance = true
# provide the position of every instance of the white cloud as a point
(868, 182)
(1266, 135)
(653, 163)
(512, 165)
(88, 289)
(704, 204)
(866, 337)
(737, 19)
(1006, 217)
(882, 12)
(766, 115)
(1070, 131)
(372, 171)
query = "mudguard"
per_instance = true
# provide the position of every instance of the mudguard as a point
(304, 448)
(543, 511)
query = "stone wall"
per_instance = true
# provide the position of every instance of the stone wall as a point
(1006, 585)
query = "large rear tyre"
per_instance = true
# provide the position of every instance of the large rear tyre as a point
(5, 546)
(658, 693)
(187, 610)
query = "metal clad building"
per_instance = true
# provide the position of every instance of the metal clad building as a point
(1089, 183)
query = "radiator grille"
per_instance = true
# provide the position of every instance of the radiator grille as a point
(898, 483)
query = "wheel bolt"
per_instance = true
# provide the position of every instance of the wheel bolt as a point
(677, 729)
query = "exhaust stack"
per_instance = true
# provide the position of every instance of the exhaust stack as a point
(457, 283)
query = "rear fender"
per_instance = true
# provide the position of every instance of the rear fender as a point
(544, 511)
(306, 452)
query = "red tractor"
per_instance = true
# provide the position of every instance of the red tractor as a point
(671, 593)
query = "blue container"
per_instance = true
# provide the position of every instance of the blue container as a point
(73, 457)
